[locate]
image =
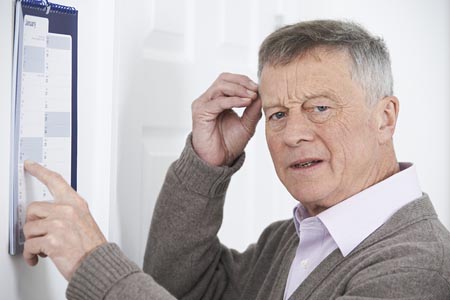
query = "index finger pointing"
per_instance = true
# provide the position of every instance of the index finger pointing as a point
(54, 182)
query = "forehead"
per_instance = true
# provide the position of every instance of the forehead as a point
(319, 72)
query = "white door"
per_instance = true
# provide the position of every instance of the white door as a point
(168, 53)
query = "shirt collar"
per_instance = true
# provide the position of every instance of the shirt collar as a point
(351, 221)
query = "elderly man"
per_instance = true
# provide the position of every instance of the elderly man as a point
(363, 229)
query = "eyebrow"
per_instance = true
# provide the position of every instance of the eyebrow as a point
(323, 94)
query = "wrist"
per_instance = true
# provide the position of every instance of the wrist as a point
(201, 177)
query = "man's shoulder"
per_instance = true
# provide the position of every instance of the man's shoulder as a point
(413, 238)
(417, 224)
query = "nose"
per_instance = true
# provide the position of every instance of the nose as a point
(298, 129)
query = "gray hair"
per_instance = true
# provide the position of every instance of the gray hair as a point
(371, 66)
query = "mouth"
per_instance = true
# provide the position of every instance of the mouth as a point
(306, 164)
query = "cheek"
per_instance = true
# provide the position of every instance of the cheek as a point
(347, 140)
(275, 145)
(353, 145)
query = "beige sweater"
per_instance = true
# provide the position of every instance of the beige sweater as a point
(406, 258)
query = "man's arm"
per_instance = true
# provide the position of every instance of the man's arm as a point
(108, 274)
(183, 251)
(65, 231)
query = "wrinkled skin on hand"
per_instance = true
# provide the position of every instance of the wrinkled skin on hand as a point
(219, 135)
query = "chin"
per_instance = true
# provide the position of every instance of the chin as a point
(312, 197)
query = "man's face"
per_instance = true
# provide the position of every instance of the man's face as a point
(321, 133)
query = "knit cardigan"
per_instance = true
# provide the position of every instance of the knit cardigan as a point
(408, 257)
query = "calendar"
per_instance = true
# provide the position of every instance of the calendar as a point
(45, 108)
(43, 101)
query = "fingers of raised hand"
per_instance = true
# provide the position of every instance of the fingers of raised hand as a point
(213, 108)
(232, 85)
(228, 91)
(243, 80)
(226, 88)
(251, 116)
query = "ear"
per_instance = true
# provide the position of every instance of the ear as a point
(387, 113)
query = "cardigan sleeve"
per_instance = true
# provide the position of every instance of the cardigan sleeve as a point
(183, 252)
(108, 274)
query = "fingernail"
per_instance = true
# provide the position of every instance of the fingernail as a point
(246, 99)
(29, 162)
(251, 93)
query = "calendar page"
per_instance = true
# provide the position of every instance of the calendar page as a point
(44, 91)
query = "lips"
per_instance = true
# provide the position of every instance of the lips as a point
(305, 163)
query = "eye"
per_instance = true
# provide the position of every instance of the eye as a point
(278, 115)
(321, 108)
(319, 113)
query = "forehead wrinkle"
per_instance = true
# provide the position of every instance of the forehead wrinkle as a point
(296, 79)
(286, 79)
(324, 93)
(291, 85)
(303, 91)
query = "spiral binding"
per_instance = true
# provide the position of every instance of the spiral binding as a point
(48, 7)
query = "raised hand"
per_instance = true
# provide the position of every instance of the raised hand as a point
(219, 135)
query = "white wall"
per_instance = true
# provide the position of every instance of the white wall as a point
(95, 57)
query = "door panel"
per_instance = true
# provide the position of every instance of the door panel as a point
(167, 57)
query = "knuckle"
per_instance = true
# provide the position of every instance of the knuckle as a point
(30, 208)
(57, 224)
(69, 211)
(244, 90)
(52, 241)
(221, 86)
(245, 77)
(194, 105)
(26, 230)
(84, 204)
(54, 177)
(65, 189)
(81, 204)
(32, 205)
(26, 246)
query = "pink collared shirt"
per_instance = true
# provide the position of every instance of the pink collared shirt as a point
(335, 227)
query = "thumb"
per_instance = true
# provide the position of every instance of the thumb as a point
(251, 116)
